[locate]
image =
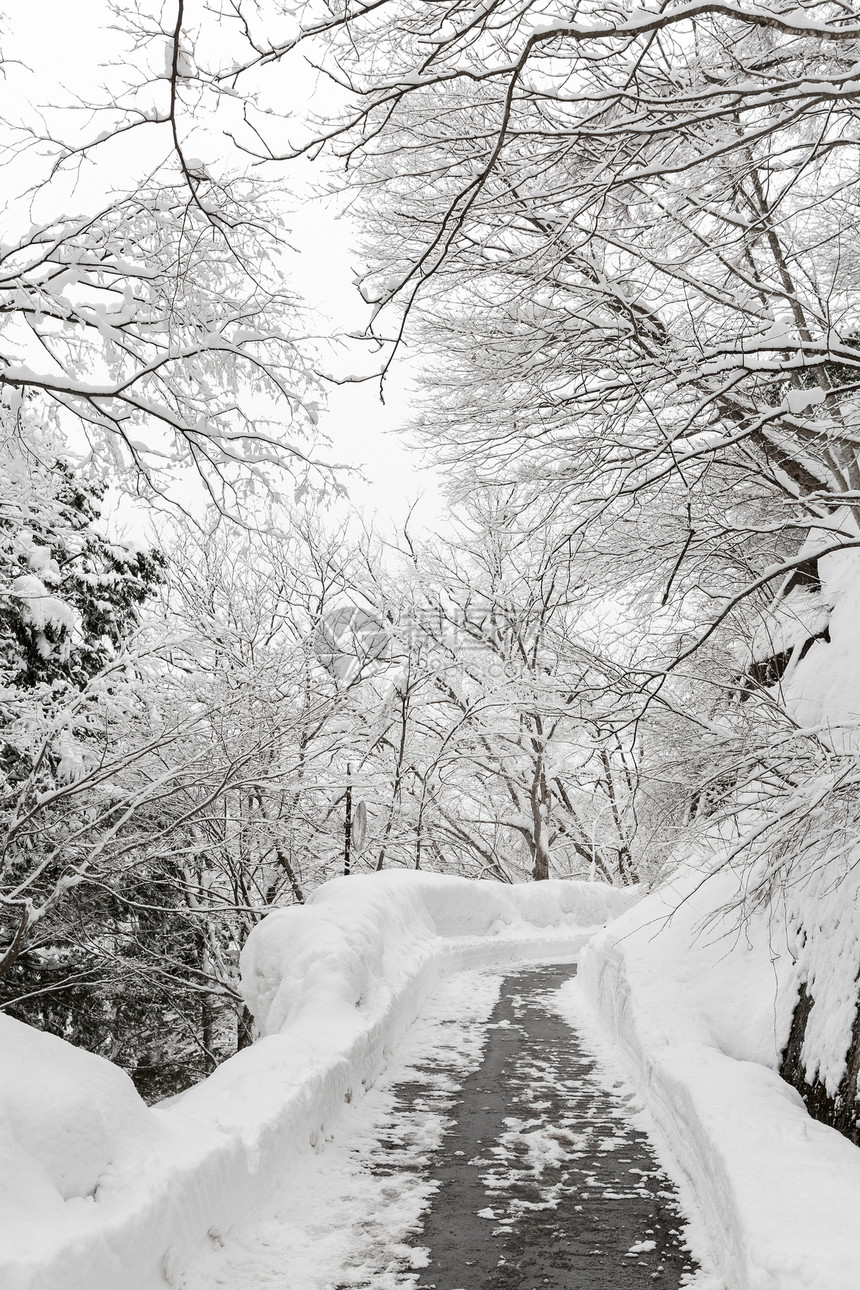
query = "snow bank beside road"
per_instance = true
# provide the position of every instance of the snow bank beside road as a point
(702, 1011)
(120, 1195)
(63, 1115)
(355, 930)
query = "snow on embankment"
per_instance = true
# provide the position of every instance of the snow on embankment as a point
(702, 1009)
(99, 1192)
(311, 959)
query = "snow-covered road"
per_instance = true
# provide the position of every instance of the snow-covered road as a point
(491, 1153)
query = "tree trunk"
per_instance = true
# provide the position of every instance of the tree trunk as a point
(540, 851)
(207, 1034)
(347, 826)
(244, 1029)
(13, 951)
(540, 871)
(207, 1012)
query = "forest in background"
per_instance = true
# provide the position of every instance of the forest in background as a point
(623, 242)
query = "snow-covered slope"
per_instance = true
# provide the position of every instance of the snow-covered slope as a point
(99, 1192)
(702, 1008)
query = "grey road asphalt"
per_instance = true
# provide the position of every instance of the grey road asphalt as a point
(544, 1181)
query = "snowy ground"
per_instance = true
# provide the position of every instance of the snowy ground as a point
(350, 1213)
(101, 1191)
(698, 1010)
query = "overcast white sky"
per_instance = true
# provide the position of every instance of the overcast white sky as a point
(363, 430)
(64, 45)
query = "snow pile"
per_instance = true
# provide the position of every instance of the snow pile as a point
(99, 1191)
(325, 957)
(81, 1157)
(825, 940)
(63, 1114)
(822, 690)
(356, 932)
(702, 1009)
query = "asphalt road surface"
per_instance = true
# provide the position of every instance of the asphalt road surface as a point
(544, 1182)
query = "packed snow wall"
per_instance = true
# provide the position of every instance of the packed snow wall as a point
(99, 1191)
(701, 1008)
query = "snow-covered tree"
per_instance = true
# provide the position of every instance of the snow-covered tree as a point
(70, 604)
(144, 269)
(641, 292)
